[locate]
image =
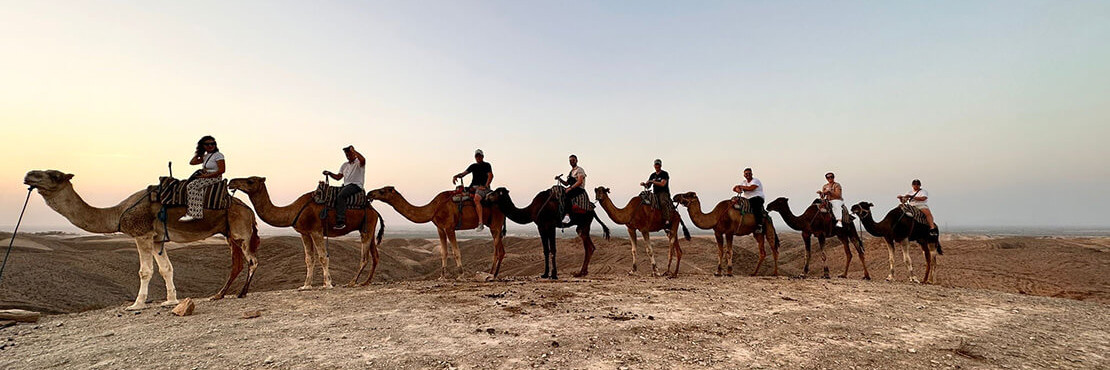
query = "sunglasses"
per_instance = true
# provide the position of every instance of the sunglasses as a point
(212, 144)
(828, 177)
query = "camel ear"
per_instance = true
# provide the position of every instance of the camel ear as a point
(68, 176)
(262, 179)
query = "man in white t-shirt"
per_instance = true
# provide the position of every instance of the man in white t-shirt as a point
(353, 174)
(752, 190)
(919, 198)
(833, 193)
(575, 183)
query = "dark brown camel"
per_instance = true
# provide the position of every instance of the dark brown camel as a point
(812, 222)
(726, 222)
(544, 212)
(900, 228)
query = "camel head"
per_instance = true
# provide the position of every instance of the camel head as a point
(382, 193)
(248, 185)
(601, 192)
(862, 209)
(686, 199)
(780, 204)
(47, 181)
(497, 195)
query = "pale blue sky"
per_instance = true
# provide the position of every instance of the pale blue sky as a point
(1001, 108)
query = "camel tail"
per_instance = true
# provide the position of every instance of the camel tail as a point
(381, 228)
(604, 229)
(939, 251)
(685, 232)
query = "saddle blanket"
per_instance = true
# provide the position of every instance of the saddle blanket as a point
(917, 214)
(741, 204)
(171, 192)
(326, 195)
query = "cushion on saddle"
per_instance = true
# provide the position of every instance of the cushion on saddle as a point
(171, 192)
(648, 198)
(580, 200)
(741, 204)
(916, 213)
(326, 195)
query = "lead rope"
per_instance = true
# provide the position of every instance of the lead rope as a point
(327, 185)
(12, 242)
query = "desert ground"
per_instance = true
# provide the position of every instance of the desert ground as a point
(1000, 302)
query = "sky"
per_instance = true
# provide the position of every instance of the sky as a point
(1001, 108)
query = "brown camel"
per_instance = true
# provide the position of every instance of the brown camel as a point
(812, 222)
(136, 216)
(304, 216)
(544, 211)
(644, 218)
(900, 228)
(445, 214)
(726, 222)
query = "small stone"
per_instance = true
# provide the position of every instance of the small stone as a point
(185, 308)
(268, 360)
(912, 350)
(251, 314)
(554, 344)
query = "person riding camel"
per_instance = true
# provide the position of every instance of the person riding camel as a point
(211, 172)
(576, 186)
(479, 183)
(833, 193)
(353, 174)
(752, 190)
(919, 198)
(661, 189)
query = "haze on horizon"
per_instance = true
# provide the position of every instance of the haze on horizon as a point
(999, 107)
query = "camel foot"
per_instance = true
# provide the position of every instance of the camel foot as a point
(826, 276)
(554, 277)
(305, 287)
(136, 307)
(843, 276)
(671, 276)
(351, 284)
(216, 297)
(866, 277)
(328, 286)
(802, 276)
(718, 274)
(580, 274)
(914, 279)
(544, 276)
(631, 272)
(728, 274)
(169, 303)
(890, 278)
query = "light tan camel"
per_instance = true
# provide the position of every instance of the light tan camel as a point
(136, 216)
(445, 214)
(304, 216)
(644, 218)
(726, 222)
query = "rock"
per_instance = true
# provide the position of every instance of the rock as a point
(268, 360)
(251, 314)
(185, 308)
(19, 315)
(554, 344)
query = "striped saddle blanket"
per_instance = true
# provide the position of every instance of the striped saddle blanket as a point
(326, 195)
(742, 205)
(171, 192)
(580, 200)
(911, 211)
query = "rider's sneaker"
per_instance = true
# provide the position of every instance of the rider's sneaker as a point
(566, 219)
(480, 228)
(188, 218)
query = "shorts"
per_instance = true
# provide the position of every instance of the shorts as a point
(481, 192)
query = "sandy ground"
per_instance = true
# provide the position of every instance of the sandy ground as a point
(982, 315)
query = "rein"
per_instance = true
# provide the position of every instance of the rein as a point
(12, 242)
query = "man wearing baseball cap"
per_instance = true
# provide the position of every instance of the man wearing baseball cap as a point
(479, 183)
(660, 187)
(353, 174)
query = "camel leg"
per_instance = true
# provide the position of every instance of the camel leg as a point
(824, 259)
(236, 268)
(554, 254)
(847, 255)
(928, 263)
(145, 246)
(498, 249)
(309, 261)
(728, 254)
(588, 245)
(769, 236)
(632, 239)
(650, 252)
(805, 239)
(890, 253)
(455, 248)
(720, 253)
(364, 254)
(442, 252)
(933, 276)
(546, 254)
(322, 255)
(908, 260)
(373, 261)
(165, 268)
(677, 250)
(252, 265)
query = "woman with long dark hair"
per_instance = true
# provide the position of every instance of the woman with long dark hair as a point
(211, 172)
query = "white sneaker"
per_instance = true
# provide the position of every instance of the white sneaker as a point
(187, 218)
(566, 219)
(480, 228)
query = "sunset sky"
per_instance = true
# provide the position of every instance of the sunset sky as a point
(1001, 108)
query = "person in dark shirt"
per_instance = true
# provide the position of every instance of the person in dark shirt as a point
(479, 183)
(660, 187)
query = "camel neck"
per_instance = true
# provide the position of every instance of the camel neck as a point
(703, 220)
(69, 204)
(869, 224)
(618, 215)
(422, 214)
(795, 222)
(274, 215)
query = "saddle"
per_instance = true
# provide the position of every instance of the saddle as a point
(915, 213)
(327, 195)
(648, 198)
(581, 200)
(741, 204)
(171, 192)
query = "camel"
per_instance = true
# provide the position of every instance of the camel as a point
(544, 211)
(644, 218)
(726, 222)
(447, 217)
(304, 216)
(897, 227)
(136, 216)
(822, 225)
